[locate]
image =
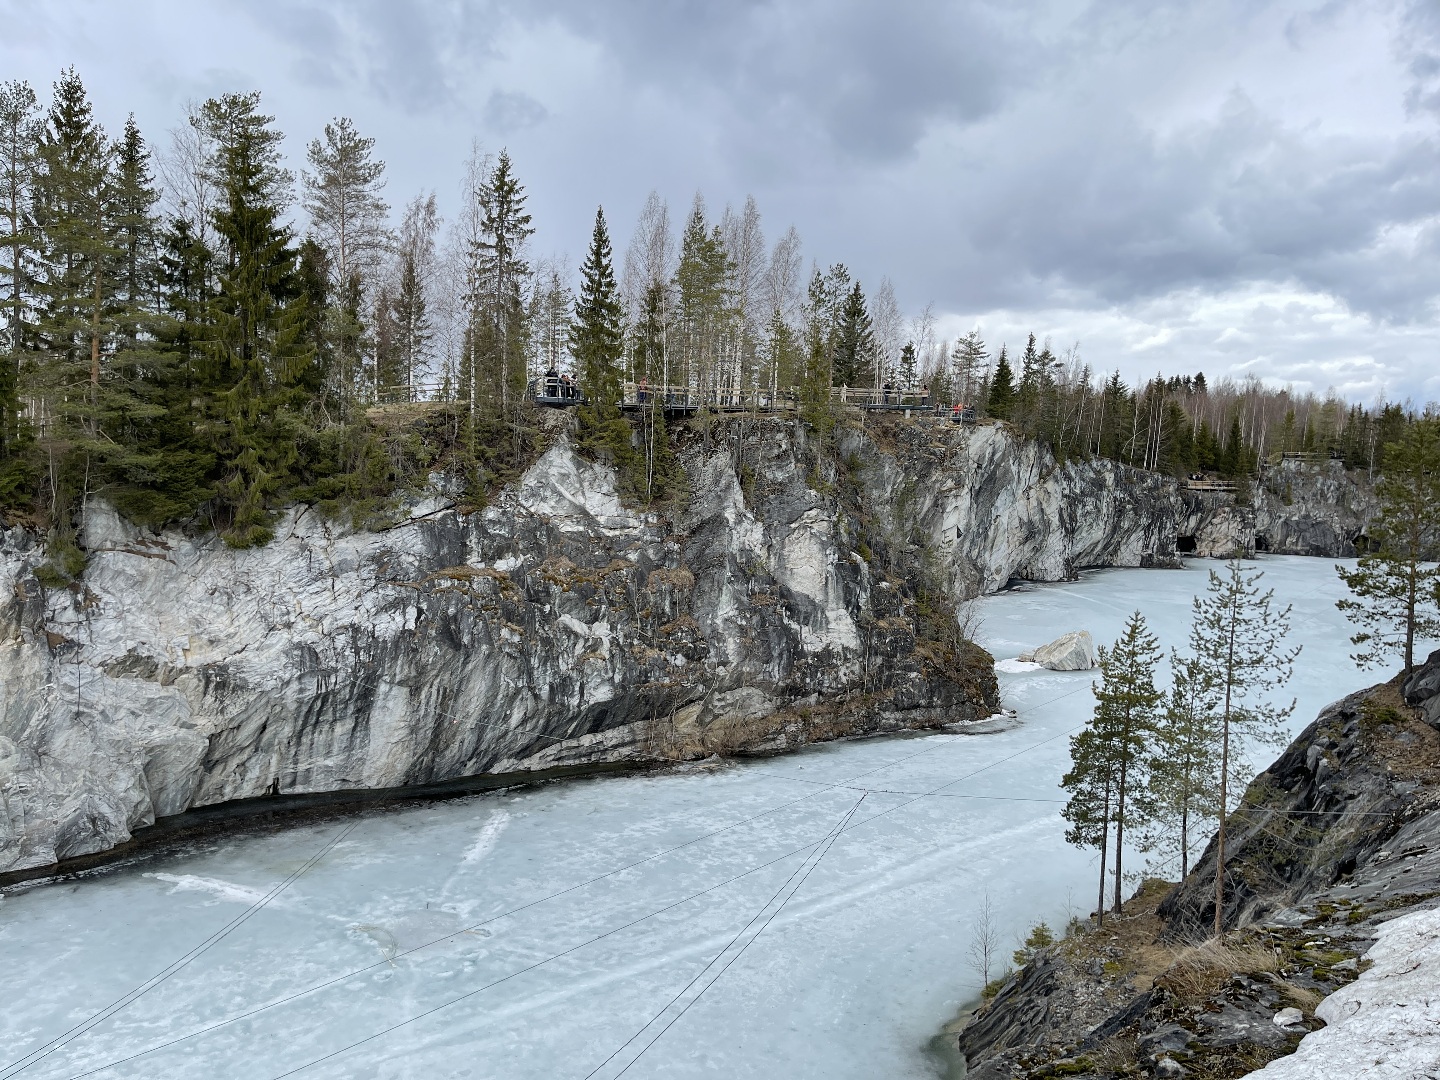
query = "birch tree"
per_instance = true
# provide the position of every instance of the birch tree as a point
(19, 137)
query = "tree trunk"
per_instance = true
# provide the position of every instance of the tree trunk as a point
(1104, 838)
(1185, 840)
(1120, 830)
(1224, 785)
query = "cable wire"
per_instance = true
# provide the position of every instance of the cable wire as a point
(825, 847)
(475, 926)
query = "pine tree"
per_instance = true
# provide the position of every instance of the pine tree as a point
(347, 215)
(1236, 639)
(1397, 585)
(969, 357)
(1184, 766)
(1110, 757)
(1001, 400)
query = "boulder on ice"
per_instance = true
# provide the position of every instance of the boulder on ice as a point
(1074, 651)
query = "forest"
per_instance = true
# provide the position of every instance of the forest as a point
(203, 337)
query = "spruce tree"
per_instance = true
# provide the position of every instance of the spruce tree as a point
(256, 355)
(1002, 388)
(703, 305)
(908, 368)
(1236, 639)
(498, 328)
(597, 342)
(1397, 585)
(76, 212)
(854, 363)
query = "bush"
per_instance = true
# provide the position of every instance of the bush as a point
(1040, 937)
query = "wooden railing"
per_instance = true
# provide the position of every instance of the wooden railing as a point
(1212, 485)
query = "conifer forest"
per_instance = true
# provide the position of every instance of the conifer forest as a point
(202, 332)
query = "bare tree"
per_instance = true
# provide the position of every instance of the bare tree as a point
(984, 940)
(886, 325)
(745, 244)
(650, 258)
(188, 191)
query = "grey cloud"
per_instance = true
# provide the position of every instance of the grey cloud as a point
(867, 78)
(511, 111)
(408, 55)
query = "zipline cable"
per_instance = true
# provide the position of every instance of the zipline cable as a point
(42, 1052)
(807, 866)
(45, 1051)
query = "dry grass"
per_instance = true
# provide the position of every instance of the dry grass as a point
(1399, 737)
(1201, 970)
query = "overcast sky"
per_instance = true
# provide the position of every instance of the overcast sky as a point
(1234, 186)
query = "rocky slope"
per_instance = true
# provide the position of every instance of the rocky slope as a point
(1337, 838)
(796, 595)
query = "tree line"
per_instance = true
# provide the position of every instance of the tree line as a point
(174, 339)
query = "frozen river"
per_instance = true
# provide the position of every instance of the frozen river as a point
(801, 916)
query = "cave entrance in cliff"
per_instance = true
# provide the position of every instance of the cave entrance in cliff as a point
(1185, 545)
(1262, 542)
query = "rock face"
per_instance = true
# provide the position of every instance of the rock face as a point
(1312, 508)
(556, 627)
(1335, 845)
(1422, 690)
(1074, 651)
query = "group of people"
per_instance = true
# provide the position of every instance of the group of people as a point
(561, 385)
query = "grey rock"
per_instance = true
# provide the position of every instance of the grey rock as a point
(1074, 651)
(1231, 1025)
(556, 627)
(1422, 689)
(1288, 1018)
(1165, 1039)
(1169, 1067)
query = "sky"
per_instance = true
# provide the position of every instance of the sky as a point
(1240, 187)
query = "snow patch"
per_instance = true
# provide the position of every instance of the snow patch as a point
(1017, 667)
(1384, 1023)
(487, 838)
(221, 890)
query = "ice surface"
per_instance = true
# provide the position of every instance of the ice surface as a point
(850, 979)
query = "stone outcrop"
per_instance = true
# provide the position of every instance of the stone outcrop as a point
(1312, 508)
(1074, 651)
(1422, 690)
(557, 626)
(1339, 836)
(795, 595)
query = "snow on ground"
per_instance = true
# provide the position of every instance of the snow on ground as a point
(531, 934)
(1386, 1024)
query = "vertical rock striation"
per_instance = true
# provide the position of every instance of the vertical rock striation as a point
(799, 597)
